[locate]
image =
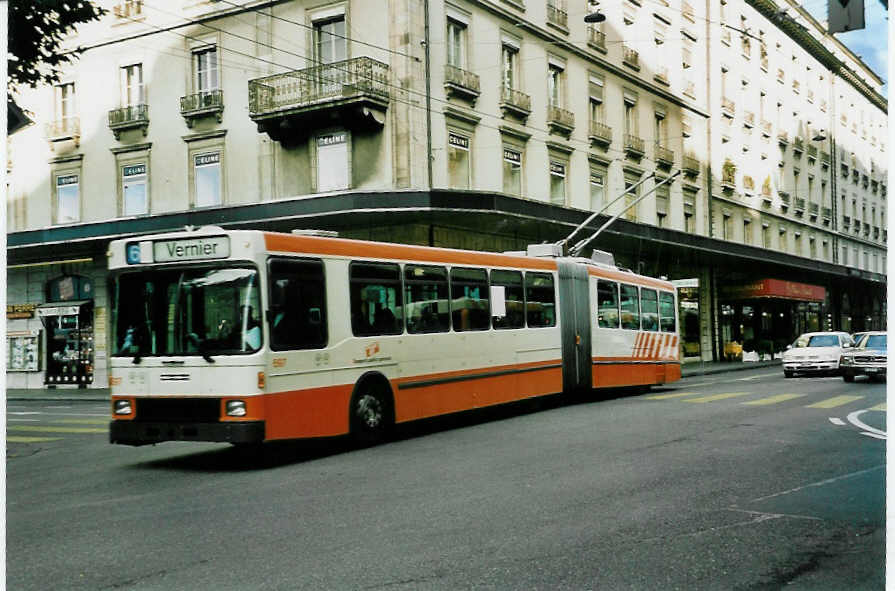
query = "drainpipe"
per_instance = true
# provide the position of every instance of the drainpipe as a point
(428, 96)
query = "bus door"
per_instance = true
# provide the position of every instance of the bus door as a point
(575, 320)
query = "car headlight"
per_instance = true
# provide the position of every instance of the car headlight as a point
(845, 361)
(123, 407)
(236, 408)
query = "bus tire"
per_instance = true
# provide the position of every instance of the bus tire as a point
(371, 412)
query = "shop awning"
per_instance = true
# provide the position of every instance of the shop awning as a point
(776, 288)
(61, 308)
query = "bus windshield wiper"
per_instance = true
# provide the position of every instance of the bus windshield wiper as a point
(201, 346)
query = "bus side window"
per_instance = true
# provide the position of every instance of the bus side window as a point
(297, 304)
(607, 304)
(540, 299)
(630, 307)
(470, 299)
(666, 311)
(375, 292)
(426, 299)
(514, 299)
(649, 306)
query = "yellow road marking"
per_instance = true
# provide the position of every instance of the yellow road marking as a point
(835, 401)
(96, 421)
(57, 429)
(664, 396)
(31, 439)
(714, 397)
(881, 407)
(774, 399)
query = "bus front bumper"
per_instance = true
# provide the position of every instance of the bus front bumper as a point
(143, 433)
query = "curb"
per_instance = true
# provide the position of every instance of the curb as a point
(704, 371)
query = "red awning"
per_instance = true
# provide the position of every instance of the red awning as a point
(776, 288)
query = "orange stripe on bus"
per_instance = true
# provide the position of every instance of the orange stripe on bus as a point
(629, 278)
(383, 250)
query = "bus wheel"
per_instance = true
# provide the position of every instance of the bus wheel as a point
(371, 414)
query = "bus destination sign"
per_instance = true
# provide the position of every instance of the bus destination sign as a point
(192, 249)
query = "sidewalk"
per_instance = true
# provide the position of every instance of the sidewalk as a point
(102, 394)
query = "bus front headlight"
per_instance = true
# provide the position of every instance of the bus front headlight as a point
(123, 407)
(236, 408)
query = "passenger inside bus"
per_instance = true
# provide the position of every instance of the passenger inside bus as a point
(252, 338)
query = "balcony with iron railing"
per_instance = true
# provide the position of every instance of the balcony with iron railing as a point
(630, 57)
(827, 214)
(128, 9)
(461, 83)
(690, 165)
(132, 117)
(560, 120)
(813, 209)
(812, 152)
(661, 75)
(824, 158)
(799, 205)
(634, 146)
(600, 133)
(355, 90)
(67, 128)
(557, 16)
(596, 38)
(784, 198)
(783, 138)
(202, 104)
(515, 103)
(798, 146)
(664, 156)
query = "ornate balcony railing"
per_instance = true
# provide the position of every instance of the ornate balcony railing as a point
(798, 146)
(826, 213)
(515, 102)
(630, 57)
(825, 158)
(783, 137)
(812, 151)
(664, 156)
(557, 16)
(800, 205)
(201, 104)
(690, 165)
(132, 117)
(600, 133)
(813, 209)
(784, 197)
(460, 82)
(634, 145)
(596, 38)
(353, 78)
(68, 128)
(560, 120)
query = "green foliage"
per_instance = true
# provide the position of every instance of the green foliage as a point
(36, 30)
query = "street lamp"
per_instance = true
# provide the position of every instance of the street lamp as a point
(596, 16)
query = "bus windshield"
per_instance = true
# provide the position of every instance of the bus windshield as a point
(188, 311)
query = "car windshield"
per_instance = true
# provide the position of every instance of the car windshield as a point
(195, 311)
(821, 340)
(875, 341)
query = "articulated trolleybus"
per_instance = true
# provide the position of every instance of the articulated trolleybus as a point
(251, 336)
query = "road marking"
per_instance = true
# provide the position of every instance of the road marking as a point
(774, 399)
(763, 375)
(57, 429)
(23, 413)
(96, 421)
(881, 407)
(31, 439)
(834, 402)
(25, 420)
(821, 483)
(664, 396)
(714, 397)
(836, 421)
(869, 431)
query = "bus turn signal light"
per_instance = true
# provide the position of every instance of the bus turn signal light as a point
(262, 380)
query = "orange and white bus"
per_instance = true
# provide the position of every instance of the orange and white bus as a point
(250, 336)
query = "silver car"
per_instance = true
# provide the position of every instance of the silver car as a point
(867, 358)
(816, 352)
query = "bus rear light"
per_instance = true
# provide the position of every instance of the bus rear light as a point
(262, 380)
(123, 407)
(236, 408)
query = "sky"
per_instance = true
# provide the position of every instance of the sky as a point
(870, 43)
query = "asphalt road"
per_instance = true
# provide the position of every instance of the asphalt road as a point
(738, 481)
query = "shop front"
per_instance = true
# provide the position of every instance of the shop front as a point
(762, 317)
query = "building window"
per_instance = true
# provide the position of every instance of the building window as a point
(205, 62)
(133, 189)
(844, 255)
(597, 189)
(65, 102)
(132, 85)
(662, 195)
(68, 199)
(554, 85)
(557, 182)
(330, 44)
(632, 193)
(747, 232)
(766, 236)
(333, 170)
(510, 61)
(631, 124)
(208, 178)
(726, 227)
(458, 161)
(512, 171)
(456, 44)
(661, 128)
(687, 52)
(812, 247)
(597, 113)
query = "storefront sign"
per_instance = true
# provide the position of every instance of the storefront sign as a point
(680, 283)
(776, 288)
(16, 311)
(193, 249)
(458, 141)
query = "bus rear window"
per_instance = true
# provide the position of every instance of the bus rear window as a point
(630, 307)
(607, 304)
(649, 309)
(666, 311)
(470, 308)
(540, 299)
(375, 292)
(426, 297)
